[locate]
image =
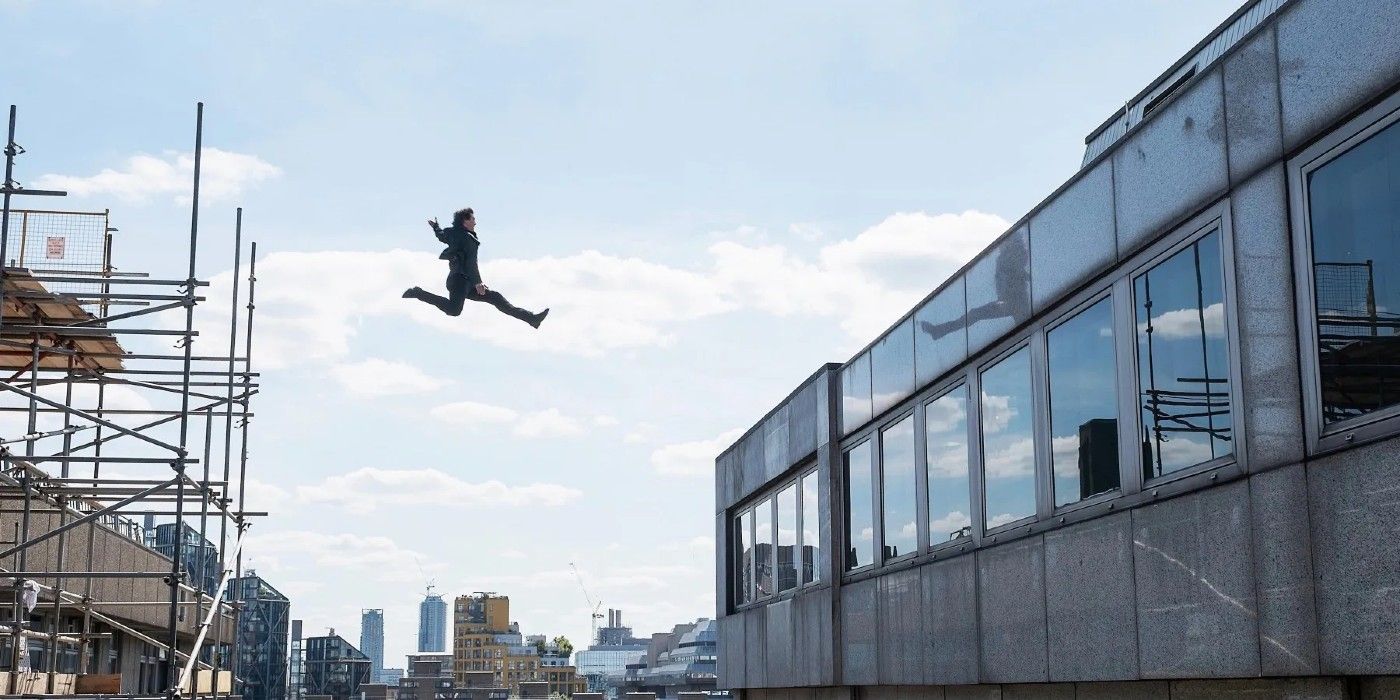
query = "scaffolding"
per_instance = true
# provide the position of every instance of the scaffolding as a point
(94, 435)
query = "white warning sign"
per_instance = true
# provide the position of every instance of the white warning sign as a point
(55, 245)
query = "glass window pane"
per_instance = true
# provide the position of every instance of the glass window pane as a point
(1183, 360)
(892, 368)
(860, 522)
(787, 538)
(811, 530)
(745, 564)
(763, 546)
(1083, 405)
(949, 499)
(855, 394)
(900, 518)
(1354, 211)
(1008, 445)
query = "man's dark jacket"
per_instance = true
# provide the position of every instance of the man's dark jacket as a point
(460, 252)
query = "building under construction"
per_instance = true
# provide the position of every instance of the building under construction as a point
(114, 411)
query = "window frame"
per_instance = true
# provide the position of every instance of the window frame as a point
(868, 435)
(1077, 306)
(974, 454)
(750, 507)
(1214, 219)
(1381, 423)
(878, 476)
(1023, 341)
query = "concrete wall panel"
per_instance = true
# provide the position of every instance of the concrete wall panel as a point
(1072, 237)
(1134, 690)
(812, 622)
(950, 610)
(1355, 516)
(901, 640)
(751, 467)
(1333, 56)
(1011, 598)
(1195, 586)
(802, 420)
(1090, 609)
(1252, 122)
(778, 628)
(1272, 407)
(775, 444)
(859, 626)
(755, 648)
(1171, 165)
(731, 652)
(1283, 572)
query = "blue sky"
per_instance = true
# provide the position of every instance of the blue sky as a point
(714, 197)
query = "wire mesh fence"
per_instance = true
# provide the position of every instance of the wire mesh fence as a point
(60, 242)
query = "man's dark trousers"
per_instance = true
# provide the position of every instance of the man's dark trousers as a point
(460, 290)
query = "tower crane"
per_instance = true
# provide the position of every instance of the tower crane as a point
(593, 621)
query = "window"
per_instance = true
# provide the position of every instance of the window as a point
(811, 526)
(763, 547)
(1183, 359)
(860, 521)
(1353, 216)
(787, 538)
(1083, 405)
(745, 566)
(945, 431)
(1008, 444)
(899, 515)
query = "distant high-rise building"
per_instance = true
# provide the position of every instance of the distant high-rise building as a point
(297, 664)
(372, 641)
(432, 623)
(604, 664)
(199, 559)
(263, 631)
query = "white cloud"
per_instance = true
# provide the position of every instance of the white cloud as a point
(375, 377)
(1002, 519)
(369, 488)
(1185, 324)
(286, 549)
(997, 413)
(223, 175)
(1009, 460)
(693, 458)
(942, 529)
(600, 302)
(603, 421)
(547, 423)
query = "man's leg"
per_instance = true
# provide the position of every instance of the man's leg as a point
(498, 300)
(456, 289)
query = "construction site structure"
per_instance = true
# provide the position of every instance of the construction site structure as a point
(103, 424)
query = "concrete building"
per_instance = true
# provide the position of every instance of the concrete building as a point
(485, 640)
(296, 664)
(604, 663)
(1142, 445)
(264, 620)
(432, 623)
(334, 668)
(680, 661)
(103, 624)
(372, 641)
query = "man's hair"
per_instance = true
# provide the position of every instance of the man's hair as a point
(460, 216)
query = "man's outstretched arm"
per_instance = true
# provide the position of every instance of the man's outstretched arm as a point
(437, 229)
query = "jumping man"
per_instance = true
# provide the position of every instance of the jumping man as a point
(463, 277)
